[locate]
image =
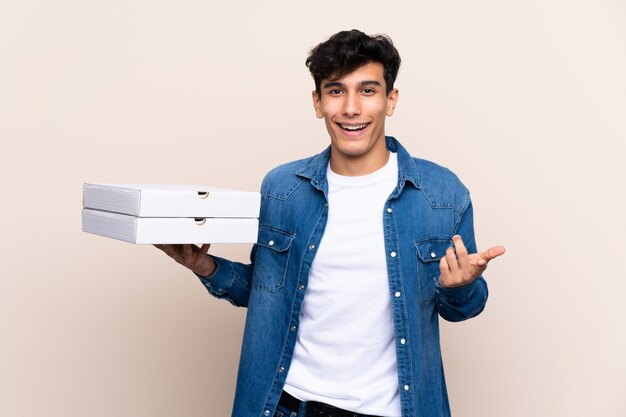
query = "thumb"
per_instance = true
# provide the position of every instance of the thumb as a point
(489, 254)
(204, 249)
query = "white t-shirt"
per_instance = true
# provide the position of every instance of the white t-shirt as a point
(345, 352)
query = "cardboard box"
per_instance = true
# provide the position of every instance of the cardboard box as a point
(155, 214)
(155, 200)
(154, 230)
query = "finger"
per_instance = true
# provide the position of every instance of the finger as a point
(165, 248)
(453, 265)
(444, 271)
(490, 254)
(205, 248)
(461, 253)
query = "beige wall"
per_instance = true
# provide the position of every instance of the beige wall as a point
(525, 100)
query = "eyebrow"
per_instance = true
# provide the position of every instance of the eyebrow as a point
(331, 84)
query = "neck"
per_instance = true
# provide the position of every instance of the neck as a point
(353, 166)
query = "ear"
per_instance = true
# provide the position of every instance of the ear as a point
(317, 104)
(392, 100)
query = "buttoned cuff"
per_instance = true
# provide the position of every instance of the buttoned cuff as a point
(219, 280)
(457, 295)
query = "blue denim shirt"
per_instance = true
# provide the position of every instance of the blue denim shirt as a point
(428, 207)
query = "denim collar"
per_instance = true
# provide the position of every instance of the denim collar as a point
(407, 170)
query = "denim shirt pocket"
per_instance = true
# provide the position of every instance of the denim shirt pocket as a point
(272, 258)
(430, 250)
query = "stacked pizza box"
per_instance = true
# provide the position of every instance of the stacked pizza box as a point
(156, 214)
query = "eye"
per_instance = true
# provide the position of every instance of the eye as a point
(368, 91)
(335, 91)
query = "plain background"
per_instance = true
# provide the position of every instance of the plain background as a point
(524, 100)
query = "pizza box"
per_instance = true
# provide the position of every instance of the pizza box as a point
(167, 200)
(158, 230)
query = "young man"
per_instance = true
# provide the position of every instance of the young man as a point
(360, 249)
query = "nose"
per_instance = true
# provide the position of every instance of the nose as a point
(351, 105)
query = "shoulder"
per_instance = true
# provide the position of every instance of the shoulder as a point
(280, 181)
(286, 170)
(425, 174)
(433, 174)
(441, 186)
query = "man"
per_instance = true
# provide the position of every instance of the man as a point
(360, 249)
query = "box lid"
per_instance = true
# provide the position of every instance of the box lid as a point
(169, 200)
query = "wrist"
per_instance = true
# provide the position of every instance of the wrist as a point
(207, 268)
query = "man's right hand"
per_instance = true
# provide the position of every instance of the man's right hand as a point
(193, 257)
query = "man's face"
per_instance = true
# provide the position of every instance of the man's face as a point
(354, 108)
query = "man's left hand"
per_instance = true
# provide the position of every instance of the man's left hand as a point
(459, 268)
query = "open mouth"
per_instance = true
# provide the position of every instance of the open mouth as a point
(353, 128)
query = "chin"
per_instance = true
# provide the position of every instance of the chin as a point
(353, 149)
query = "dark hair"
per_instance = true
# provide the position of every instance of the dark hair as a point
(348, 50)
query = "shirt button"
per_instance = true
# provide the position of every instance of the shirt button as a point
(301, 287)
(389, 209)
(403, 341)
(271, 243)
(433, 255)
(393, 254)
(397, 294)
(281, 369)
(406, 387)
(266, 412)
(293, 328)
(311, 246)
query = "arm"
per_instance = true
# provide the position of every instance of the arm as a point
(462, 291)
(223, 279)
